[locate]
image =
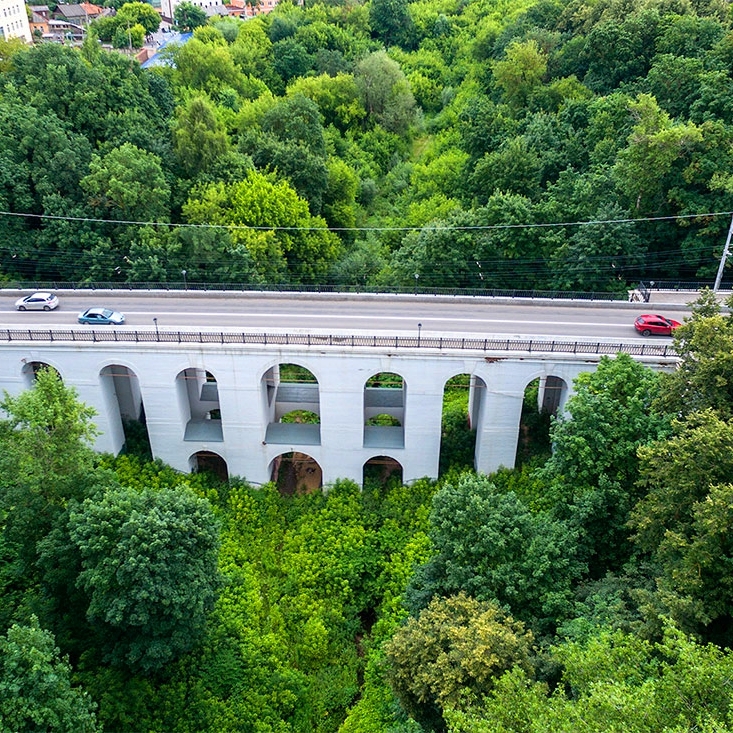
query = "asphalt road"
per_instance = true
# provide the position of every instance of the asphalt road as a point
(252, 312)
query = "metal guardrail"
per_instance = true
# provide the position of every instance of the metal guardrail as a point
(316, 289)
(299, 339)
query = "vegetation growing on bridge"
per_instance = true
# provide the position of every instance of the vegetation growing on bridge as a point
(585, 591)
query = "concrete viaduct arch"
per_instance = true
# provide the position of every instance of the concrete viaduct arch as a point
(221, 404)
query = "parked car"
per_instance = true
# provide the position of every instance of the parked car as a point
(648, 324)
(102, 316)
(37, 302)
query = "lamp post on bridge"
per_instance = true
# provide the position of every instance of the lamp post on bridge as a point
(157, 333)
(419, 328)
(185, 286)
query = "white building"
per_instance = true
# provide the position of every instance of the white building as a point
(210, 7)
(14, 21)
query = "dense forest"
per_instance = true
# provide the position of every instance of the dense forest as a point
(542, 145)
(588, 589)
(532, 144)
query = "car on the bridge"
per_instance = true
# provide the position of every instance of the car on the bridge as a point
(37, 302)
(102, 316)
(652, 324)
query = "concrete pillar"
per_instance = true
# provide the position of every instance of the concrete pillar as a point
(423, 416)
(500, 412)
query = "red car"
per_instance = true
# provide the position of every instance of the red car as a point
(648, 324)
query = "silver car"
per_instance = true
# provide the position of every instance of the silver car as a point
(37, 302)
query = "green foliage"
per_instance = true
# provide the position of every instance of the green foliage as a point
(301, 246)
(704, 378)
(451, 654)
(188, 16)
(594, 465)
(148, 566)
(36, 691)
(489, 545)
(615, 682)
(683, 521)
(128, 183)
(45, 460)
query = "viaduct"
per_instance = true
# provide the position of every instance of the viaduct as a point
(241, 402)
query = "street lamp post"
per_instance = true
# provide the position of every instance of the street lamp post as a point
(157, 333)
(185, 286)
(417, 277)
(419, 328)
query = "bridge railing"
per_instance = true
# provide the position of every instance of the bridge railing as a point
(308, 339)
(144, 286)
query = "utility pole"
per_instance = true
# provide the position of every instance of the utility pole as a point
(723, 258)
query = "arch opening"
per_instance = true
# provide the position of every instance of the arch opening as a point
(31, 369)
(381, 471)
(543, 398)
(463, 397)
(198, 399)
(296, 473)
(126, 412)
(384, 411)
(291, 398)
(205, 461)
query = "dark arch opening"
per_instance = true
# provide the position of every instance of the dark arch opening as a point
(296, 473)
(458, 431)
(31, 369)
(209, 462)
(534, 425)
(381, 471)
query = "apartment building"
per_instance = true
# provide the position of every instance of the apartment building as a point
(14, 21)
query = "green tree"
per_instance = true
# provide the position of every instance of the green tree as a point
(657, 152)
(521, 72)
(138, 13)
(128, 183)
(130, 35)
(594, 467)
(385, 92)
(391, 22)
(149, 568)
(489, 545)
(452, 653)
(614, 682)
(337, 98)
(208, 68)
(46, 434)
(704, 377)
(290, 59)
(682, 523)
(188, 16)
(271, 223)
(596, 255)
(36, 693)
(199, 136)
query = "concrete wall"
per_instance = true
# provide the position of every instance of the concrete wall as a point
(241, 373)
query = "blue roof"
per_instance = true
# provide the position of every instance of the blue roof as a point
(179, 38)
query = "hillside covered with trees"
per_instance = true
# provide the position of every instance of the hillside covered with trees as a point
(556, 144)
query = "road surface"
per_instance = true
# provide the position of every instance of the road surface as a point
(432, 315)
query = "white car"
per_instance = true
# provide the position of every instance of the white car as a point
(37, 302)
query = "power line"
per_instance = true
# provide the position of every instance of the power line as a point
(434, 227)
